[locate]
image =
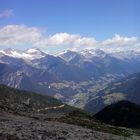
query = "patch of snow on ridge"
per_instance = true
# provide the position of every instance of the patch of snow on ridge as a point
(30, 54)
(33, 50)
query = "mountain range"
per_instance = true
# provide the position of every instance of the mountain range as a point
(75, 78)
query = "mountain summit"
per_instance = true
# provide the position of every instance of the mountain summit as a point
(29, 54)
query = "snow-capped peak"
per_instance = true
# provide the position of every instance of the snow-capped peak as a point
(29, 54)
(8, 51)
(68, 55)
(89, 53)
(33, 50)
(65, 52)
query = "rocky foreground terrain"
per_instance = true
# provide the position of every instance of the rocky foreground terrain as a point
(24, 117)
(15, 127)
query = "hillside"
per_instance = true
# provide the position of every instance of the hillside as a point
(125, 89)
(123, 113)
(17, 101)
(25, 115)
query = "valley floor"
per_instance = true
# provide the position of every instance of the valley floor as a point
(15, 127)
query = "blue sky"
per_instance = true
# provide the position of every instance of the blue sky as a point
(101, 19)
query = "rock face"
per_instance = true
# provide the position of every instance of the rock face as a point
(123, 113)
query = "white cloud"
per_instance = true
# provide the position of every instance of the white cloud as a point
(119, 43)
(71, 41)
(6, 13)
(138, 44)
(77, 42)
(15, 35)
(11, 35)
(118, 40)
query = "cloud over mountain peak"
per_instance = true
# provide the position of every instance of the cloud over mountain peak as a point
(22, 35)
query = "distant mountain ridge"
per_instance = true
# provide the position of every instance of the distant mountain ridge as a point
(29, 54)
(35, 53)
(73, 77)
